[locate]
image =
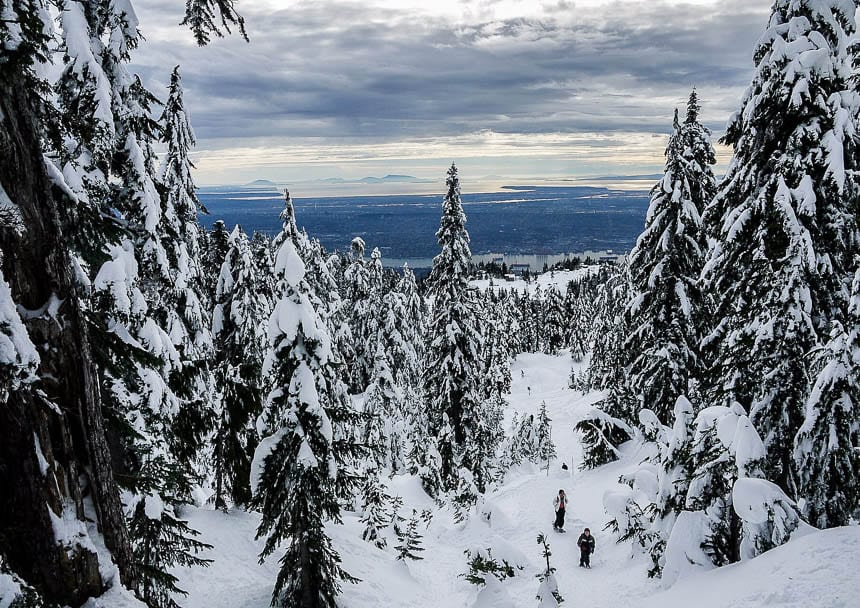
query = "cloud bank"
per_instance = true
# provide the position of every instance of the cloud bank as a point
(336, 87)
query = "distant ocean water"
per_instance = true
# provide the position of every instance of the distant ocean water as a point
(520, 220)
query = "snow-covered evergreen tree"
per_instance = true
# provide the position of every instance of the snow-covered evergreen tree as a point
(163, 541)
(375, 271)
(515, 445)
(414, 325)
(534, 313)
(107, 164)
(374, 510)
(778, 267)
(545, 448)
(216, 249)
(547, 594)
(323, 284)
(357, 293)
(665, 310)
(261, 250)
(84, 165)
(301, 454)
(609, 359)
(398, 340)
(207, 18)
(699, 154)
(496, 377)
(455, 418)
(410, 540)
(140, 406)
(384, 428)
(726, 447)
(610, 422)
(530, 439)
(184, 302)
(177, 331)
(828, 462)
(529, 330)
(238, 327)
(555, 321)
(512, 321)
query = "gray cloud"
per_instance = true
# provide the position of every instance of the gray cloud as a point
(338, 71)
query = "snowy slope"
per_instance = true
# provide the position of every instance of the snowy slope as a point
(815, 570)
(558, 280)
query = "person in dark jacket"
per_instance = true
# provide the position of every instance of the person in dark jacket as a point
(586, 548)
(560, 504)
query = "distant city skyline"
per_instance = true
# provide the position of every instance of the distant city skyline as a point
(510, 88)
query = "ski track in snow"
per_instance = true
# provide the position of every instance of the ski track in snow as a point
(519, 510)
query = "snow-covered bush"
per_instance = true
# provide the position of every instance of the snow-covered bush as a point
(698, 500)
(684, 552)
(548, 595)
(602, 434)
(769, 517)
(627, 519)
(482, 565)
(732, 513)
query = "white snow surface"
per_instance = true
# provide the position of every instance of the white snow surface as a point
(9, 589)
(557, 280)
(815, 569)
(17, 352)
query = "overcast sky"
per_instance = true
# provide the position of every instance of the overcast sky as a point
(515, 88)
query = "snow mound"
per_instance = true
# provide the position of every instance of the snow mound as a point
(813, 570)
(494, 595)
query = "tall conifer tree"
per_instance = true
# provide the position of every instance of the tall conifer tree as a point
(185, 310)
(298, 461)
(101, 352)
(778, 267)
(664, 271)
(825, 449)
(452, 365)
(242, 306)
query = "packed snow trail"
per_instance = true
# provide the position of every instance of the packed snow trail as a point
(508, 522)
(523, 506)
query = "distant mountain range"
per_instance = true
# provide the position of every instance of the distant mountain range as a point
(388, 179)
(612, 178)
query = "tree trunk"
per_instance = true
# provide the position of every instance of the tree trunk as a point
(70, 483)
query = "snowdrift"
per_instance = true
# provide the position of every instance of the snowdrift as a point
(816, 570)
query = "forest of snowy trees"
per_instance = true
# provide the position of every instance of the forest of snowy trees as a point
(147, 364)
(731, 345)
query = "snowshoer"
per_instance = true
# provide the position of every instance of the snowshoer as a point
(560, 504)
(586, 548)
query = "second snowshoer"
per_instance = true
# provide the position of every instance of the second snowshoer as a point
(586, 548)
